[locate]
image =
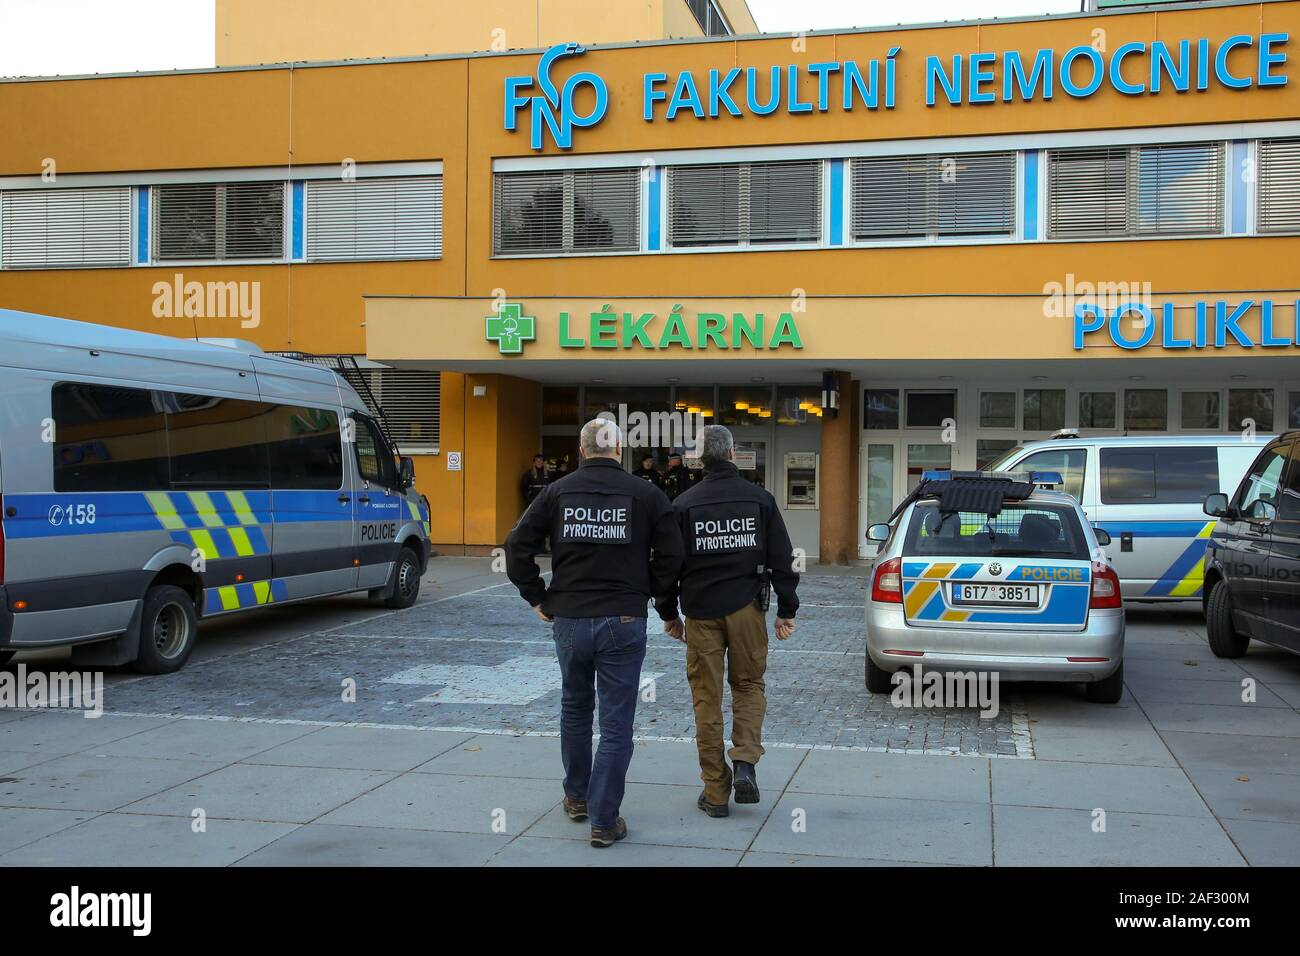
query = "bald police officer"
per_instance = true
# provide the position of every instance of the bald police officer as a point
(735, 543)
(615, 545)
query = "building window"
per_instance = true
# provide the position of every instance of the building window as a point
(219, 221)
(1250, 407)
(51, 228)
(744, 405)
(568, 211)
(935, 197)
(931, 409)
(1293, 410)
(1096, 409)
(1146, 409)
(1278, 197)
(744, 204)
(1044, 409)
(1201, 411)
(989, 450)
(374, 218)
(411, 403)
(880, 409)
(997, 409)
(709, 17)
(1163, 190)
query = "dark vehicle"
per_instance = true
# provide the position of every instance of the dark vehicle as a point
(1252, 566)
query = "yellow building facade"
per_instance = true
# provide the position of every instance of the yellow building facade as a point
(869, 253)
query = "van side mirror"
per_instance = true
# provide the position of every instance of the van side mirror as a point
(878, 532)
(406, 471)
(1262, 512)
(1103, 536)
(1216, 505)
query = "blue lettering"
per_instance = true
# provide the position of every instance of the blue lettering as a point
(823, 73)
(751, 92)
(718, 92)
(685, 94)
(1117, 69)
(794, 104)
(1162, 61)
(1266, 336)
(1081, 328)
(1067, 72)
(981, 74)
(1013, 70)
(1167, 338)
(1268, 59)
(853, 80)
(1221, 62)
(1202, 64)
(514, 99)
(1226, 323)
(951, 86)
(650, 95)
(1148, 325)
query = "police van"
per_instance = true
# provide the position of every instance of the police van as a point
(149, 481)
(1147, 494)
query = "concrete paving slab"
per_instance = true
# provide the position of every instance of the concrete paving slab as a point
(1080, 786)
(1202, 668)
(22, 825)
(501, 755)
(361, 748)
(223, 741)
(1207, 718)
(1266, 844)
(1271, 664)
(678, 763)
(666, 815)
(124, 839)
(1236, 752)
(461, 804)
(89, 782)
(1090, 745)
(270, 794)
(1042, 836)
(922, 831)
(1287, 691)
(774, 860)
(61, 732)
(320, 845)
(1217, 693)
(959, 778)
(541, 851)
(1274, 797)
(18, 759)
(8, 713)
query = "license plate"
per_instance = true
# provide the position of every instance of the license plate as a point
(998, 595)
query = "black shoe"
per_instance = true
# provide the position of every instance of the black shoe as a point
(602, 837)
(575, 810)
(712, 809)
(744, 782)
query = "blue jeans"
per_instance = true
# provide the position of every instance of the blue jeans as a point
(598, 656)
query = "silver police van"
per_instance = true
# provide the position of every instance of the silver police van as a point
(148, 481)
(1147, 494)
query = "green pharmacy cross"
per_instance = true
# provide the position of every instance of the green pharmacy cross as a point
(510, 328)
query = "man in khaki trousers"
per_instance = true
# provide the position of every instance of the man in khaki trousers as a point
(736, 542)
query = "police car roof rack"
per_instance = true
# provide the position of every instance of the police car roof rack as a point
(981, 492)
(347, 367)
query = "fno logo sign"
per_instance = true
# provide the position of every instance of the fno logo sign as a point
(554, 108)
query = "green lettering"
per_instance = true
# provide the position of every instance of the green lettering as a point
(635, 330)
(566, 340)
(603, 330)
(785, 333)
(675, 332)
(741, 328)
(711, 326)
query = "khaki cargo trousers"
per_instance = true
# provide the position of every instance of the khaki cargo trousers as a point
(740, 641)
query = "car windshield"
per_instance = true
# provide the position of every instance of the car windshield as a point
(999, 463)
(1022, 529)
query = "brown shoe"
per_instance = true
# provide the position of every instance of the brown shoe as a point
(602, 837)
(575, 810)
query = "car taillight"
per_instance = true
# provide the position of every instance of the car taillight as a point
(1105, 588)
(887, 582)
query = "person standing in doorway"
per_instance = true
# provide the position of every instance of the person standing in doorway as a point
(678, 478)
(648, 472)
(534, 480)
(615, 546)
(736, 547)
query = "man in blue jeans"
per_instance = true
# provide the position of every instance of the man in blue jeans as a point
(615, 546)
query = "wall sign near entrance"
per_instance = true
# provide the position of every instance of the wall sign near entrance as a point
(1213, 325)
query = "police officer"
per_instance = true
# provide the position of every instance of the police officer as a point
(649, 472)
(533, 480)
(615, 545)
(735, 543)
(678, 478)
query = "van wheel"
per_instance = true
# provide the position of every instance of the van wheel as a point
(169, 626)
(6, 657)
(1223, 637)
(406, 581)
(1107, 691)
(879, 680)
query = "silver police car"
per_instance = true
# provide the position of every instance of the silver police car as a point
(990, 572)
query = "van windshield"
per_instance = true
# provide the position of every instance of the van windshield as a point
(1000, 463)
(1022, 529)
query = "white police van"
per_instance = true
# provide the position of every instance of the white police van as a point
(148, 481)
(1147, 493)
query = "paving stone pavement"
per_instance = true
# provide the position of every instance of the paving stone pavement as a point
(1196, 766)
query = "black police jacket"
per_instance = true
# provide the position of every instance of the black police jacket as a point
(677, 481)
(734, 536)
(614, 544)
(531, 485)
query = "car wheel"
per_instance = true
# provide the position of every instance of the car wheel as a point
(879, 680)
(406, 581)
(6, 657)
(1107, 691)
(169, 628)
(1223, 637)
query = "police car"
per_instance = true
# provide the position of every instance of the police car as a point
(992, 572)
